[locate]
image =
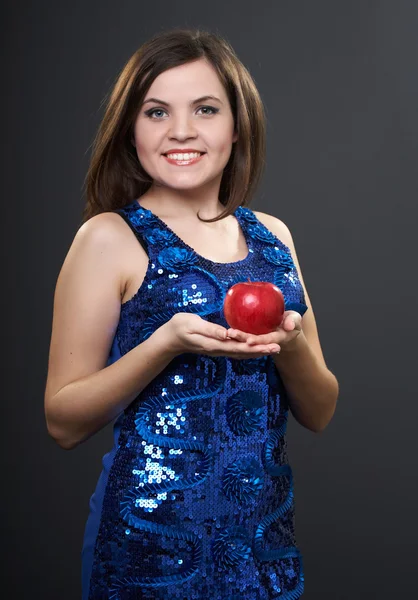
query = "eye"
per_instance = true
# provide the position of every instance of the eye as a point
(150, 113)
(212, 108)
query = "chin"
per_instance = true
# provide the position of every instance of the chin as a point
(185, 183)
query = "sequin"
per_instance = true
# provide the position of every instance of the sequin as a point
(243, 480)
(248, 366)
(141, 218)
(196, 497)
(246, 214)
(244, 412)
(260, 232)
(176, 258)
(159, 236)
(231, 547)
(278, 257)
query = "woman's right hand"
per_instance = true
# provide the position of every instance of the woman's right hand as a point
(190, 333)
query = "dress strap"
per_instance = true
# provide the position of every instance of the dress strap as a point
(138, 236)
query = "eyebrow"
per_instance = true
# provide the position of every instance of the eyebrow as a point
(201, 99)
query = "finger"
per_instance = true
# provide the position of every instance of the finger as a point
(215, 331)
(234, 345)
(252, 339)
(292, 320)
(254, 351)
(268, 338)
(262, 348)
(221, 333)
(290, 324)
(236, 334)
(199, 326)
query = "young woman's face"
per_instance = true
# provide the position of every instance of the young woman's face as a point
(179, 119)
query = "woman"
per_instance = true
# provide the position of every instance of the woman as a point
(195, 499)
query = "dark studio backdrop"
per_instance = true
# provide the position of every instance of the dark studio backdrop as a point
(340, 83)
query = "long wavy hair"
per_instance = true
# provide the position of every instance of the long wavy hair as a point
(115, 176)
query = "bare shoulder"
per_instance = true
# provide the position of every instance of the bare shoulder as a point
(98, 240)
(106, 227)
(108, 233)
(309, 325)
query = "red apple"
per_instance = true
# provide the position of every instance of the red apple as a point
(255, 307)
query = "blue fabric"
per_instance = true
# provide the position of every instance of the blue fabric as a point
(96, 500)
(195, 500)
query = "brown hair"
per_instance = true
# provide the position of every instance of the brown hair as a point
(115, 176)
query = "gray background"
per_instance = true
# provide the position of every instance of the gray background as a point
(339, 81)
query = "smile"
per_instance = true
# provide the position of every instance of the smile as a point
(183, 160)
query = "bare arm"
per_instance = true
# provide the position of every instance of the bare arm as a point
(82, 394)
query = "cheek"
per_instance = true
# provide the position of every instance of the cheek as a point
(146, 147)
(145, 151)
(223, 137)
(146, 135)
(143, 139)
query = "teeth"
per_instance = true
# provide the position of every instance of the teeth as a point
(186, 156)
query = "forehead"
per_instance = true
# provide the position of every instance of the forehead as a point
(197, 78)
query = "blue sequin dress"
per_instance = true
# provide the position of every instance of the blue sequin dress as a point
(195, 500)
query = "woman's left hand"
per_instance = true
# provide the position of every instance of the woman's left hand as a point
(285, 335)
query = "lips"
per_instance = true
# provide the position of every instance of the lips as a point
(185, 162)
(183, 152)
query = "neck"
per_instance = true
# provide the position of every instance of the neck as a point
(182, 203)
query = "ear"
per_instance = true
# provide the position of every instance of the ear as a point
(235, 137)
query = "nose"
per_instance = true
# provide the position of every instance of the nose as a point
(182, 127)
